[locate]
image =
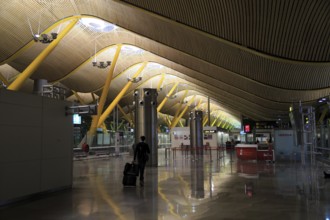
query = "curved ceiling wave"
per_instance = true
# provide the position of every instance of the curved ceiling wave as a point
(240, 77)
(291, 29)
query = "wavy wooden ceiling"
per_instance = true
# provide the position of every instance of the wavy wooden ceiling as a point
(251, 57)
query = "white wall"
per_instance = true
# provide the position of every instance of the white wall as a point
(36, 145)
(181, 135)
(283, 144)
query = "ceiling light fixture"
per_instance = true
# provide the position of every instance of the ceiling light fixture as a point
(135, 79)
(321, 100)
(45, 38)
(101, 64)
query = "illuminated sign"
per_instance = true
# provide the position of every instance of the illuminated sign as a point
(76, 119)
(247, 129)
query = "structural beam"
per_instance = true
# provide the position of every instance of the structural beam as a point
(78, 97)
(180, 105)
(93, 97)
(216, 119)
(221, 120)
(17, 84)
(160, 83)
(130, 110)
(168, 121)
(199, 104)
(175, 122)
(205, 120)
(105, 91)
(120, 95)
(125, 115)
(324, 112)
(169, 94)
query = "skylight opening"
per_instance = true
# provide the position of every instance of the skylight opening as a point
(98, 25)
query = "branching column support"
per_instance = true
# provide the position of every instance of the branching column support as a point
(130, 110)
(175, 122)
(216, 119)
(225, 124)
(125, 115)
(325, 111)
(205, 120)
(17, 84)
(221, 120)
(93, 97)
(168, 120)
(160, 106)
(160, 83)
(120, 95)
(105, 91)
(78, 97)
(180, 105)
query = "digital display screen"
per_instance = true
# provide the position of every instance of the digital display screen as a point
(247, 129)
(76, 119)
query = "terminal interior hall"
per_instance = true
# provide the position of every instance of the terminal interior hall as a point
(232, 97)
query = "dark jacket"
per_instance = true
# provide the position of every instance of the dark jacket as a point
(141, 152)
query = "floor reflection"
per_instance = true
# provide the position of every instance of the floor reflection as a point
(212, 185)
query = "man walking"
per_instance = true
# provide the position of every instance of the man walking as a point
(141, 153)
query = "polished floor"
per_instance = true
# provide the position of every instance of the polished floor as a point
(213, 186)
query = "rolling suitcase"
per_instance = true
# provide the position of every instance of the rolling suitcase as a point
(129, 180)
(130, 172)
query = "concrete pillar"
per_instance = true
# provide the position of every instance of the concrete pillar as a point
(196, 131)
(197, 178)
(38, 85)
(146, 121)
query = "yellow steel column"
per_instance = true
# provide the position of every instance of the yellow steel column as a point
(199, 104)
(325, 111)
(16, 85)
(4, 80)
(215, 119)
(221, 120)
(104, 127)
(104, 94)
(130, 110)
(160, 106)
(121, 124)
(179, 108)
(160, 82)
(78, 97)
(205, 120)
(175, 122)
(120, 95)
(125, 115)
(224, 125)
(93, 97)
(167, 120)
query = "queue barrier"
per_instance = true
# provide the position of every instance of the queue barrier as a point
(186, 149)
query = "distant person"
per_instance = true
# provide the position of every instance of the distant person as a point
(85, 148)
(141, 154)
